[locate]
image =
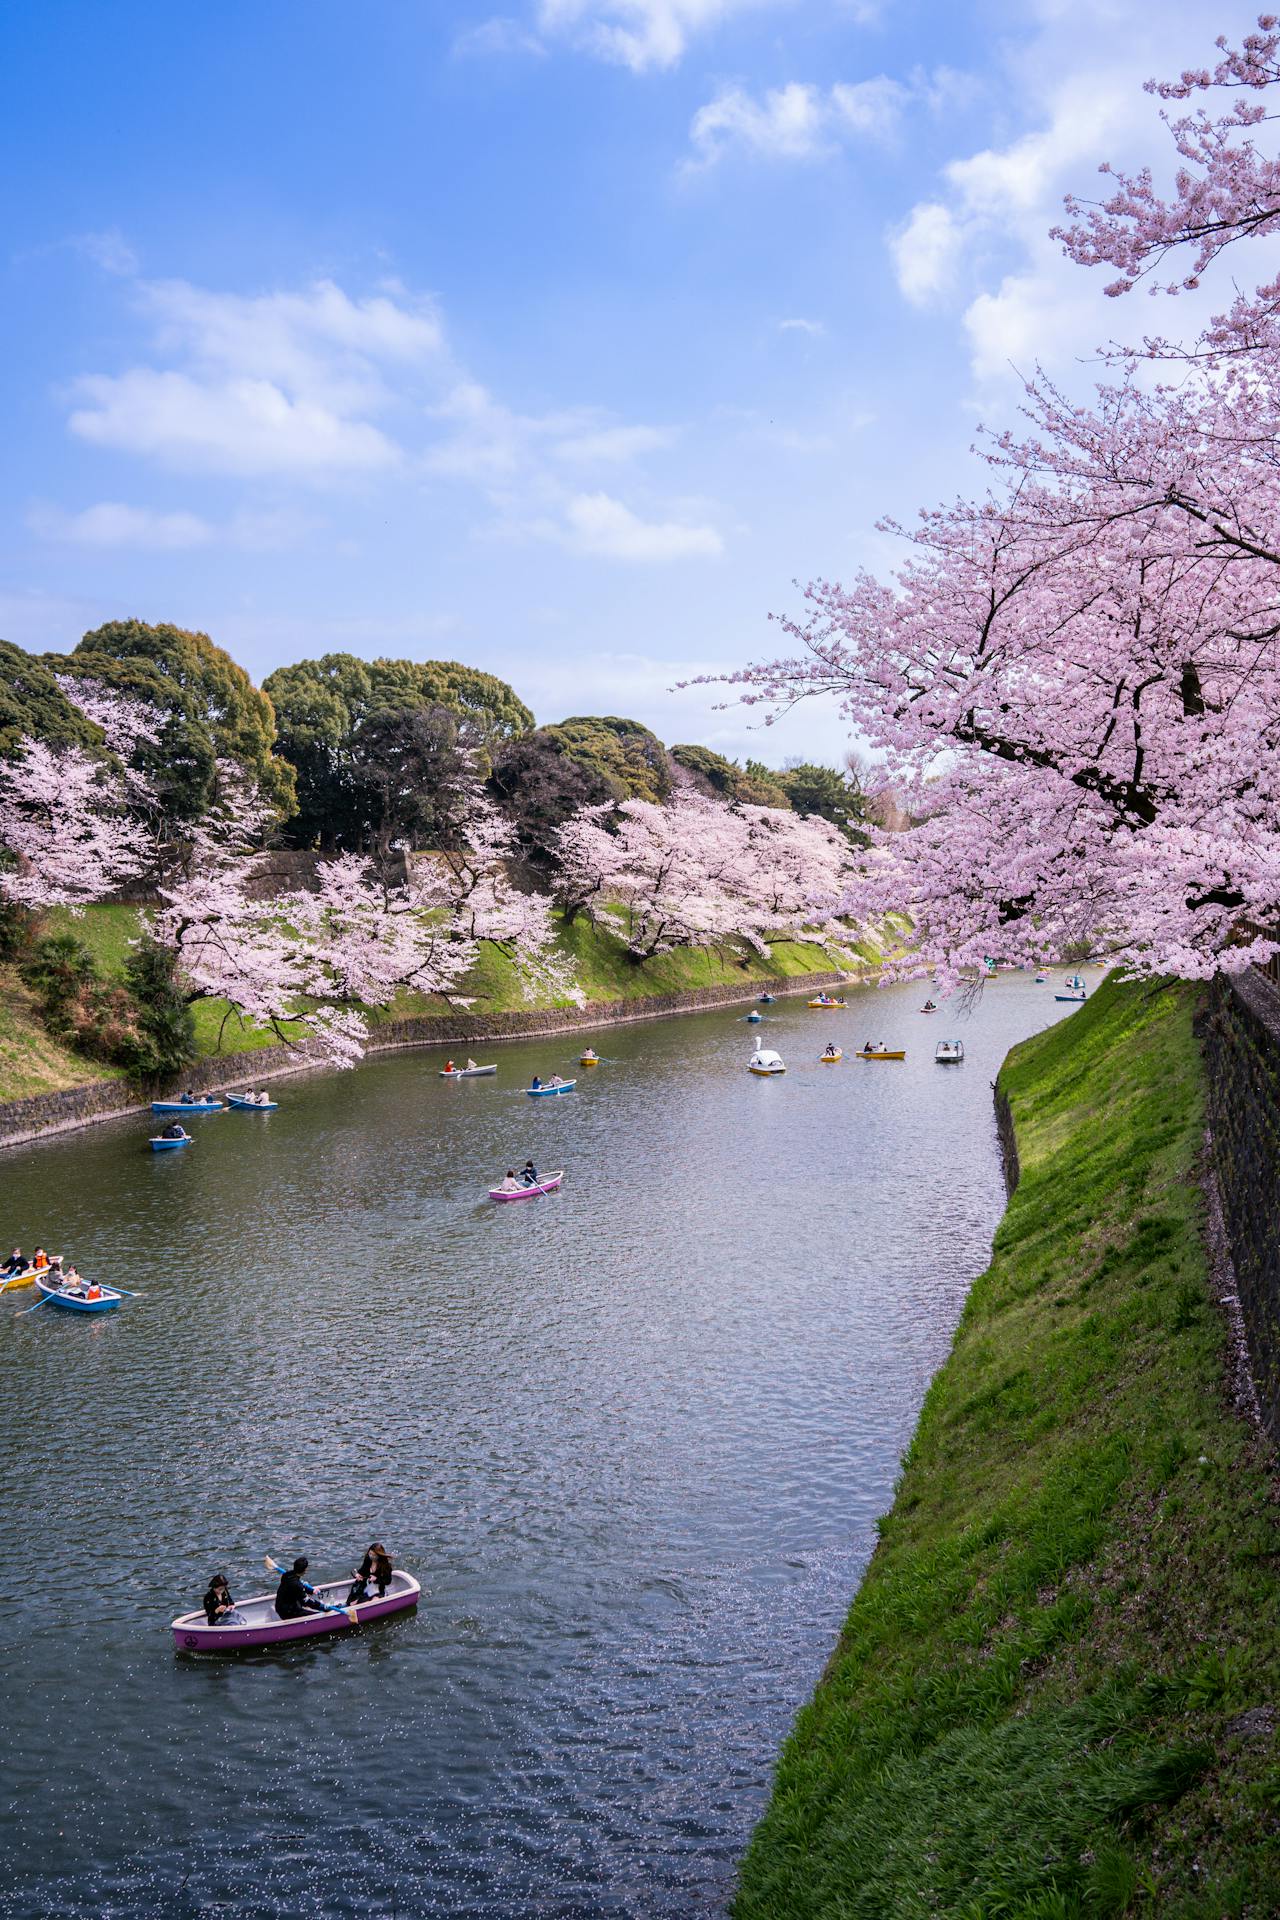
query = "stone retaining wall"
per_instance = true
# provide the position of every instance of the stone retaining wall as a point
(54, 1113)
(1240, 1033)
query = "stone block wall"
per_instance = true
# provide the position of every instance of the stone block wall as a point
(1240, 1034)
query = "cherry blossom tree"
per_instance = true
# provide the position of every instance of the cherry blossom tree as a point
(696, 872)
(1075, 680)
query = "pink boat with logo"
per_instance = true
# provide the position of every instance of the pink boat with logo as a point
(257, 1623)
(547, 1184)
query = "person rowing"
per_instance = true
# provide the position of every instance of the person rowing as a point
(292, 1599)
(590, 1054)
(929, 1007)
(832, 1050)
(188, 1098)
(555, 1081)
(471, 1065)
(16, 1263)
(174, 1132)
(529, 1174)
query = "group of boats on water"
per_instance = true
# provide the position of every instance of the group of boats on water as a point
(175, 1135)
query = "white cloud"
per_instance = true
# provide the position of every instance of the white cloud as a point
(595, 523)
(925, 251)
(640, 34)
(500, 35)
(108, 250)
(111, 524)
(798, 121)
(813, 328)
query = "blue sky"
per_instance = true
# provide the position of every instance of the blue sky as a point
(559, 340)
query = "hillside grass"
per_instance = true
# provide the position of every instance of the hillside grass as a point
(30, 1061)
(1054, 1694)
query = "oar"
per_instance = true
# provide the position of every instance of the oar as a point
(43, 1301)
(273, 1566)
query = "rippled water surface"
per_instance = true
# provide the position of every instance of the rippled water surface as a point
(632, 1438)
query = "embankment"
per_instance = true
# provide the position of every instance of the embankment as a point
(1056, 1692)
(83, 1105)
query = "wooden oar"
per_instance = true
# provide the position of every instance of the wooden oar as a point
(273, 1566)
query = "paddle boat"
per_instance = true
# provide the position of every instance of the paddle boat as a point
(259, 1625)
(764, 1061)
(949, 1053)
(241, 1105)
(162, 1143)
(466, 1073)
(186, 1106)
(831, 1055)
(881, 1052)
(589, 1059)
(547, 1184)
(88, 1298)
(831, 1006)
(1076, 982)
(538, 1093)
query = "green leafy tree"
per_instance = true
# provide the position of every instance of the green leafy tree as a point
(321, 706)
(630, 759)
(753, 785)
(238, 717)
(163, 1038)
(406, 766)
(538, 786)
(33, 705)
(822, 791)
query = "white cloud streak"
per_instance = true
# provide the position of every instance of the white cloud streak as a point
(797, 121)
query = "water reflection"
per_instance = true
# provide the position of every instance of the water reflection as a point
(632, 1437)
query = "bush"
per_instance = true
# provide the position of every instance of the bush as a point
(164, 1036)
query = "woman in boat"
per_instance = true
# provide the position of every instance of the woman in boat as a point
(39, 1259)
(293, 1593)
(375, 1568)
(534, 1084)
(510, 1184)
(449, 1067)
(218, 1604)
(72, 1281)
(471, 1065)
(589, 1054)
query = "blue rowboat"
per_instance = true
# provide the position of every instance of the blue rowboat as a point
(186, 1106)
(160, 1145)
(251, 1106)
(753, 1017)
(1076, 999)
(536, 1093)
(77, 1303)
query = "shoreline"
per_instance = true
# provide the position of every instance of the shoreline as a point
(48, 1116)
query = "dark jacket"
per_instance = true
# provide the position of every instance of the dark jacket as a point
(215, 1598)
(292, 1598)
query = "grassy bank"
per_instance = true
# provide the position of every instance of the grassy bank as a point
(32, 1062)
(1053, 1694)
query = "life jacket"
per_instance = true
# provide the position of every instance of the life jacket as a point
(94, 1292)
(40, 1262)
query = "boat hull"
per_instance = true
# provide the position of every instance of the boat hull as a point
(829, 1006)
(186, 1106)
(264, 1627)
(467, 1073)
(169, 1146)
(27, 1279)
(1073, 999)
(830, 1059)
(548, 1185)
(543, 1093)
(892, 1054)
(72, 1303)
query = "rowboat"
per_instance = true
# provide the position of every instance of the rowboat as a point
(828, 1006)
(466, 1073)
(242, 1105)
(27, 1279)
(186, 1106)
(536, 1093)
(767, 999)
(545, 1185)
(589, 1060)
(949, 1053)
(259, 1625)
(1076, 999)
(882, 1053)
(76, 1302)
(753, 1017)
(928, 1009)
(160, 1145)
(765, 1062)
(828, 1059)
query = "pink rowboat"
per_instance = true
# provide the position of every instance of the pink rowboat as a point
(528, 1193)
(261, 1626)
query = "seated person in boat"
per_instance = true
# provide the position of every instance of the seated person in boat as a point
(375, 1568)
(529, 1174)
(72, 1281)
(510, 1184)
(39, 1259)
(449, 1067)
(832, 1047)
(188, 1098)
(471, 1065)
(589, 1053)
(93, 1291)
(555, 1081)
(173, 1132)
(16, 1263)
(535, 1083)
(293, 1594)
(219, 1607)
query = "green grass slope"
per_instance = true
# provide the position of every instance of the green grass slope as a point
(1053, 1694)
(31, 1060)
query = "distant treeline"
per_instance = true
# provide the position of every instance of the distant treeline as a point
(365, 755)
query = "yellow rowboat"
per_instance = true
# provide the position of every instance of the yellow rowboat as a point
(588, 1059)
(829, 1059)
(27, 1279)
(882, 1053)
(829, 1006)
